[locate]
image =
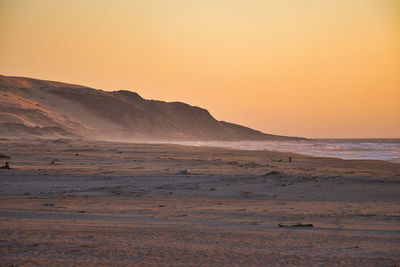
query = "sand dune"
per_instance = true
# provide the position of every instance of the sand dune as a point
(117, 115)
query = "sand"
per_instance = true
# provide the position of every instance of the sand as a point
(92, 203)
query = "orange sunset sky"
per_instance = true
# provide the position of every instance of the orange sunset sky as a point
(313, 68)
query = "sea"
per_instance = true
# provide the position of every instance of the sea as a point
(365, 149)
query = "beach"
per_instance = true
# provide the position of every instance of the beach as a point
(96, 203)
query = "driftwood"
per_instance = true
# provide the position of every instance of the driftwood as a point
(6, 166)
(275, 160)
(272, 173)
(297, 225)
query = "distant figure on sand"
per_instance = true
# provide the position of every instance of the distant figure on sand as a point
(6, 166)
(290, 159)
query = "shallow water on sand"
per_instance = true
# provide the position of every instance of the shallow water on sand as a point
(376, 149)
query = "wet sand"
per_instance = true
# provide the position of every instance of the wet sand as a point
(87, 203)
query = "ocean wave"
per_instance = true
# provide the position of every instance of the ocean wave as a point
(375, 149)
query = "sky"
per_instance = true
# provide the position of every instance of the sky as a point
(307, 68)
